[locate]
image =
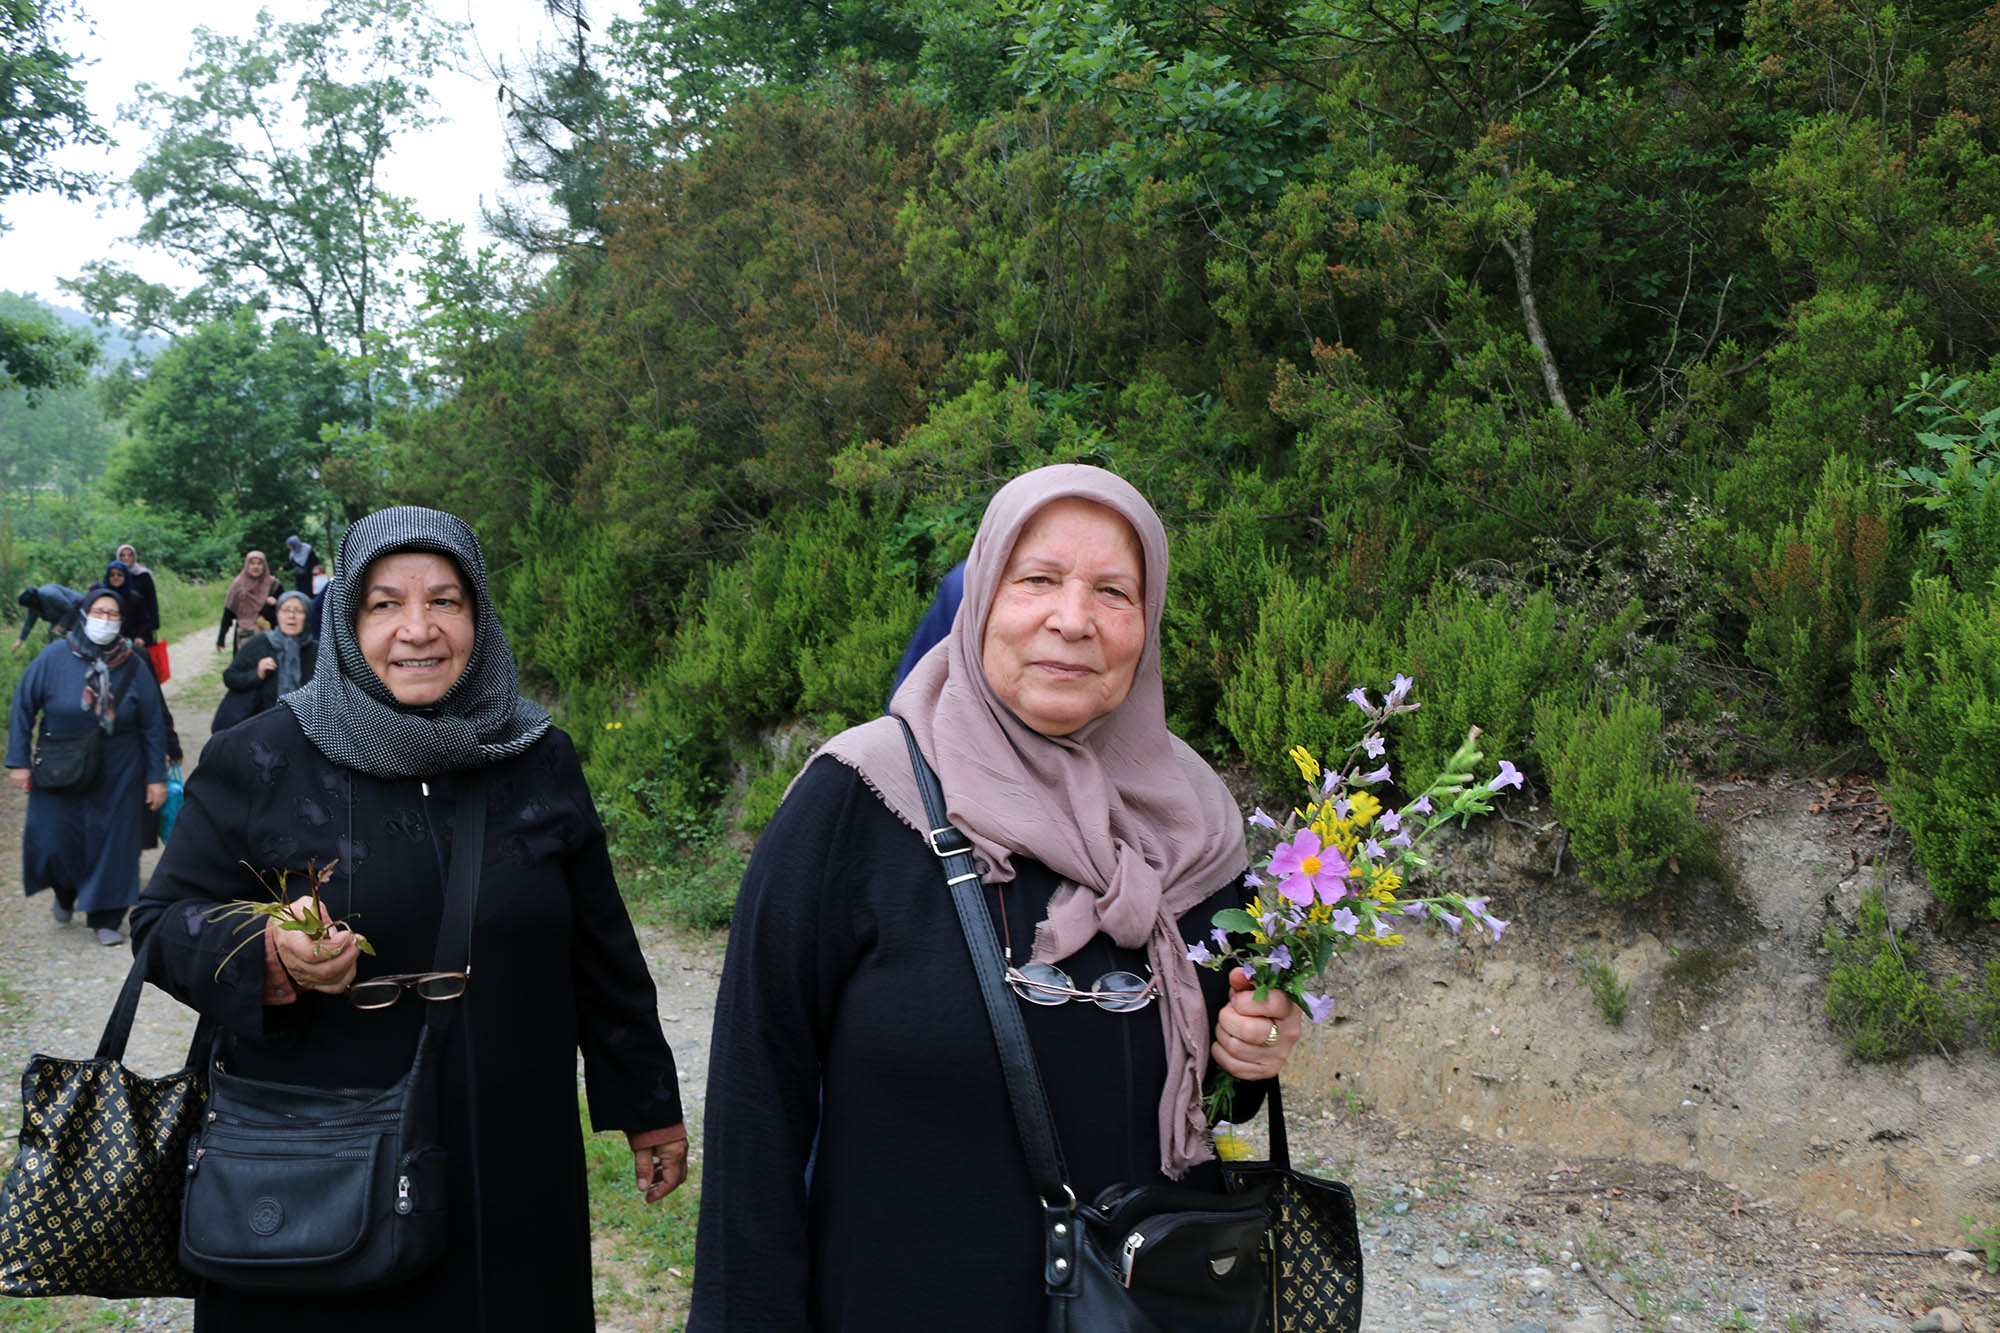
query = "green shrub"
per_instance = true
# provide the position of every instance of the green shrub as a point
(1983, 1012)
(1288, 688)
(1216, 581)
(1606, 989)
(1484, 662)
(1935, 721)
(1823, 597)
(1878, 997)
(1631, 819)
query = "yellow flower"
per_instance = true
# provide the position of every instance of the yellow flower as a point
(1385, 884)
(1361, 807)
(1256, 909)
(1308, 766)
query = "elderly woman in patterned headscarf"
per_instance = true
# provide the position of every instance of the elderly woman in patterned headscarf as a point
(251, 594)
(361, 769)
(850, 1032)
(84, 842)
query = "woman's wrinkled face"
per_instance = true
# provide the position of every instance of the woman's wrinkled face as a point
(415, 625)
(1068, 621)
(291, 617)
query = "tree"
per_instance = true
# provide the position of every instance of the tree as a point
(41, 110)
(282, 209)
(230, 422)
(53, 436)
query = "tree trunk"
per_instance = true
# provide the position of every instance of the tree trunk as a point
(1522, 251)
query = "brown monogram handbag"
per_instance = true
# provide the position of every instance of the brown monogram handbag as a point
(92, 1204)
(1312, 1251)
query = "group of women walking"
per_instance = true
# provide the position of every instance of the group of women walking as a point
(854, 1089)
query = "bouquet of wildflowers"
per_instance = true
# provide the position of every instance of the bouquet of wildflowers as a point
(1334, 877)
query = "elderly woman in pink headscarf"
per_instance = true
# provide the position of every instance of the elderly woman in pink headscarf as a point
(863, 1168)
(251, 594)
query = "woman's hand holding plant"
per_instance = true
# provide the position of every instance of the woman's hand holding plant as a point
(1247, 1024)
(323, 964)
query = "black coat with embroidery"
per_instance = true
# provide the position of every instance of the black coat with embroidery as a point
(555, 967)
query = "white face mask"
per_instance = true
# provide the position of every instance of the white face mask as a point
(99, 630)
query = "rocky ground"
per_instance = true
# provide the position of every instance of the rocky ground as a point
(1504, 1226)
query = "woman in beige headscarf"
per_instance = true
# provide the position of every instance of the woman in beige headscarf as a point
(252, 593)
(863, 1169)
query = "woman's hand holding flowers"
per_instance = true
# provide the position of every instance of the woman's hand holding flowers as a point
(327, 964)
(1244, 1046)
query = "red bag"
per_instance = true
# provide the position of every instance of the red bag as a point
(158, 653)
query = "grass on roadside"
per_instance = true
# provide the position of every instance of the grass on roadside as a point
(642, 1255)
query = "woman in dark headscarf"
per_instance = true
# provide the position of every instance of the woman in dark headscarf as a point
(142, 602)
(269, 665)
(251, 594)
(414, 693)
(84, 844)
(850, 1030)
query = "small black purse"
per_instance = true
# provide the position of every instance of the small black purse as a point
(69, 763)
(1138, 1258)
(293, 1188)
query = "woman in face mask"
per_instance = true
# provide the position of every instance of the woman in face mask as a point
(269, 665)
(89, 689)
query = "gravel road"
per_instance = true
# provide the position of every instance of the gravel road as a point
(1459, 1234)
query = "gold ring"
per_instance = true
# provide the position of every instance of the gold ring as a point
(1272, 1039)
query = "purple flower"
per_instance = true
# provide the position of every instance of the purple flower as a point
(1510, 776)
(1342, 808)
(1253, 880)
(1415, 909)
(1421, 806)
(1221, 938)
(1452, 921)
(1359, 698)
(1390, 820)
(1269, 923)
(1379, 775)
(1345, 921)
(1374, 745)
(1261, 820)
(1329, 782)
(1399, 689)
(1383, 930)
(1400, 840)
(1198, 954)
(1496, 926)
(1373, 851)
(1303, 863)
(1280, 959)
(1319, 1008)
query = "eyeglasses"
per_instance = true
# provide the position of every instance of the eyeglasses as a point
(381, 992)
(1118, 992)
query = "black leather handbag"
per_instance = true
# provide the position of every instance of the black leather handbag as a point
(69, 763)
(91, 1206)
(1138, 1258)
(294, 1188)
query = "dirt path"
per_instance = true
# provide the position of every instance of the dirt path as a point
(1467, 1230)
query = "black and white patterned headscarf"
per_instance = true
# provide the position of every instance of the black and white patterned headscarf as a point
(348, 712)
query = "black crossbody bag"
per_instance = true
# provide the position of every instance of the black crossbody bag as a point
(292, 1188)
(1138, 1258)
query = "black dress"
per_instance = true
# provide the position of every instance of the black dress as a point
(849, 1030)
(555, 967)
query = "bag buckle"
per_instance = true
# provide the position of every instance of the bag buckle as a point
(964, 844)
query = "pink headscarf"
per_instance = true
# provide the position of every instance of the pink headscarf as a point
(1137, 825)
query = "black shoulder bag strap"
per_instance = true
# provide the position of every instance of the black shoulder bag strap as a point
(1032, 1117)
(461, 894)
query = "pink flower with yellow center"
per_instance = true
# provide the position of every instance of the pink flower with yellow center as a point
(1309, 870)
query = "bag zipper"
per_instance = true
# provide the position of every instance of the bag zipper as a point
(1144, 1231)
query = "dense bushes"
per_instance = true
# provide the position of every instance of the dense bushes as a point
(1631, 820)
(1935, 722)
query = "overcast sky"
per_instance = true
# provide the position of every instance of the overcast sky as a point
(448, 171)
